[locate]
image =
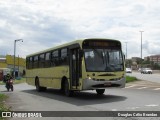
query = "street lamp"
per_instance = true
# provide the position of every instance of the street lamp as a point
(15, 54)
(141, 47)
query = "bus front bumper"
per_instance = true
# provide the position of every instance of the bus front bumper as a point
(90, 84)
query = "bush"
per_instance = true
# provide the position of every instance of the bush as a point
(130, 79)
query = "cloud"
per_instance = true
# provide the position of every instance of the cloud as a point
(43, 24)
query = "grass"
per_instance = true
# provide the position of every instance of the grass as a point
(3, 97)
(22, 80)
(3, 107)
(130, 79)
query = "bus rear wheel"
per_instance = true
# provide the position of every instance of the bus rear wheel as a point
(67, 92)
(100, 91)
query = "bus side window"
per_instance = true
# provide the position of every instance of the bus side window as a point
(54, 58)
(30, 63)
(35, 62)
(27, 63)
(47, 60)
(64, 57)
(41, 61)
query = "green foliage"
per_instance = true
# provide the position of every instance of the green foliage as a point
(3, 107)
(130, 79)
(2, 97)
(128, 63)
(156, 66)
(146, 62)
(22, 80)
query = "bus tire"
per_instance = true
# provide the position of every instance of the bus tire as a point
(67, 92)
(38, 87)
(100, 91)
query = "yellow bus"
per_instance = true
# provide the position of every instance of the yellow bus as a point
(87, 64)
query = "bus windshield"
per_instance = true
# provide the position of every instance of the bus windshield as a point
(103, 60)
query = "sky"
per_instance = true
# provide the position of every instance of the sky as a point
(44, 24)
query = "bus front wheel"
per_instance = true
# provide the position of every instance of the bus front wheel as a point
(67, 92)
(100, 91)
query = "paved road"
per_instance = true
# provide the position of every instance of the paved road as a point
(149, 77)
(132, 98)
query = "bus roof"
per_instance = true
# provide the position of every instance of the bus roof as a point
(67, 44)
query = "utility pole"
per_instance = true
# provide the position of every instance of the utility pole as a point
(14, 69)
(141, 47)
(126, 49)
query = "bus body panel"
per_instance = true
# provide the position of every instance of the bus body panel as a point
(88, 80)
(48, 77)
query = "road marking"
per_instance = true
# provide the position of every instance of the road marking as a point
(156, 89)
(130, 86)
(152, 105)
(114, 110)
(133, 108)
(141, 88)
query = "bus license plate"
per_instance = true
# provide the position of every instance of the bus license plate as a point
(107, 84)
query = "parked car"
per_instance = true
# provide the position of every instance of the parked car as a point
(146, 71)
(128, 70)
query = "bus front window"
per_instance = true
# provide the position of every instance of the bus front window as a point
(103, 60)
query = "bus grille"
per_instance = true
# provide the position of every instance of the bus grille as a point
(103, 85)
(116, 79)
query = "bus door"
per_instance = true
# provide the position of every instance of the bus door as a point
(75, 67)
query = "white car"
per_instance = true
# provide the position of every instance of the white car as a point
(146, 71)
(128, 70)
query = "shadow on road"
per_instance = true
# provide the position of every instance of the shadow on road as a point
(79, 98)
